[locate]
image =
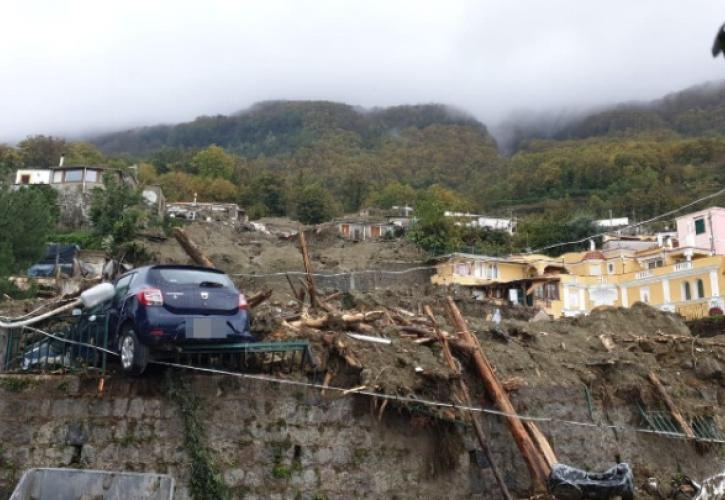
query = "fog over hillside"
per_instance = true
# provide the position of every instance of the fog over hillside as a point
(82, 67)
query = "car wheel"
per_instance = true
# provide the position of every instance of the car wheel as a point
(134, 355)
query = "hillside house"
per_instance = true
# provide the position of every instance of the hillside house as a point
(372, 223)
(483, 221)
(683, 279)
(74, 184)
(362, 229)
(228, 213)
(703, 230)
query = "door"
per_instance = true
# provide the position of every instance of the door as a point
(116, 307)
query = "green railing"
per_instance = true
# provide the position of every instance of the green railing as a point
(246, 356)
(68, 343)
(704, 427)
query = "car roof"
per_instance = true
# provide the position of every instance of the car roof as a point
(145, 269)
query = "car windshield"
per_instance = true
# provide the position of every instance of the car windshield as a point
(191, 277)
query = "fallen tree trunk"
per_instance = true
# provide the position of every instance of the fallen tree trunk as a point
(480, 434)
(327, 319)
(312, 292)
(191, 249)
(535, 461)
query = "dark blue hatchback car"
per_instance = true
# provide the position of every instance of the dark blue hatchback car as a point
(158, 309)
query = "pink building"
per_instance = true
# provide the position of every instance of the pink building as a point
(703, 230)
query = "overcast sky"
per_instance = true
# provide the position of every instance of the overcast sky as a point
(71, 67)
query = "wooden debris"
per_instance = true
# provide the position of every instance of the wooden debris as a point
(539, 469)
(465, 398)
(674, 410)
(382, 409)
(299, 295)
(607, 342)
(542, 443)
(309, 274)
(258, 298)
(513, 384)
(191, 249)
(354, 390)
(326, 382)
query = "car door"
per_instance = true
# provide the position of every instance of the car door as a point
(118, 303)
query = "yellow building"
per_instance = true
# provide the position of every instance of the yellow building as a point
(683, 280)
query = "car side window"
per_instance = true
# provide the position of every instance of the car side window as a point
(122, 287)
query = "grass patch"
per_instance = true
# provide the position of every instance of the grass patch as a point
(15, 384)
(279, 471)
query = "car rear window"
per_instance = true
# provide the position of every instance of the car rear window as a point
(190, 277)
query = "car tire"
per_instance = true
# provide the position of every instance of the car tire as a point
(134, 355)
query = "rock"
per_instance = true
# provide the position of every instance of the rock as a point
(708, 369)
(540, 316)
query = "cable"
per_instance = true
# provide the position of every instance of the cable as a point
(631, 226)
(392, 397)
(333, 275)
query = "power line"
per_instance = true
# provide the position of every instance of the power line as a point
(631, 226)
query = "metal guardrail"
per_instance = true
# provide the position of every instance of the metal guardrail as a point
(28, 350)
(246, 356)
(80, 343)
(704, 427)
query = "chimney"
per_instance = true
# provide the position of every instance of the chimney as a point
(62, 159)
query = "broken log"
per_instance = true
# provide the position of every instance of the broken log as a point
(191, 249)
(542, 443)
(347, 319)
(421, 332)
(535, 461)
(674, 411)
(480, 434)
(297, 295)
(308, 270)
(258, 298)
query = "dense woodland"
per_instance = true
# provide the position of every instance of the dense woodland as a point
(315, 160)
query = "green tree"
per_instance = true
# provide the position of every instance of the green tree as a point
(445, 198)
(41, 151)
(114, 213)
(432, 230)
(25, 223)
(9, 160)
(549, 228)
(214, 162)
(314, 204)
(267, 193)
(393, 194)
(82, 153)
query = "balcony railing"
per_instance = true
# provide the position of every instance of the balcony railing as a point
(683, 266)
(642, 275)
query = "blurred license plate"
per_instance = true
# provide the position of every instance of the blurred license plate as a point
(201, 328)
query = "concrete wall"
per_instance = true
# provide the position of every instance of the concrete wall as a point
(269, 441)
(327, 448)
(714, 228)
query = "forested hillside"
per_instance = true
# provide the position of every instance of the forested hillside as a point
(315, 160)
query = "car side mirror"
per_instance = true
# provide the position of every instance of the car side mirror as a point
(97, 295)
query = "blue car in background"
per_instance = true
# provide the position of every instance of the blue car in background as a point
(159, 309)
